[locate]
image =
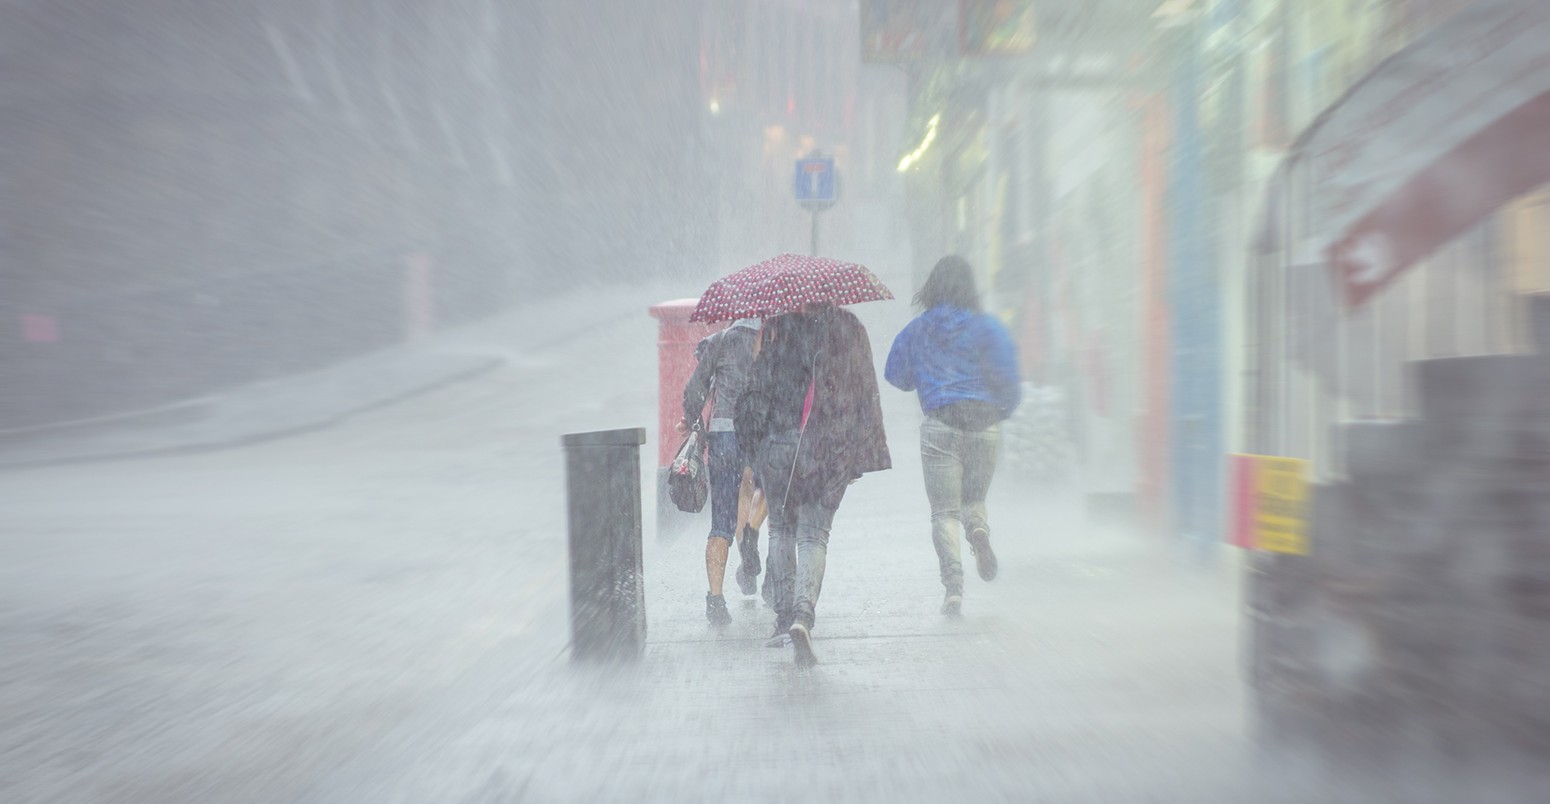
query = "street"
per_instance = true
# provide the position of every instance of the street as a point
(299, 302)
(377, 612)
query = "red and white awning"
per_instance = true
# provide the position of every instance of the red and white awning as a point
(1434, 139)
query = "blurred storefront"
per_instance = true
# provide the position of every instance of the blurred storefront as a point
(1027, 156)
(1106, 186)
(1314, 364)
(1395, 349)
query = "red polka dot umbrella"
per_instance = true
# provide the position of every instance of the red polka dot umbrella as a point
(783, 284)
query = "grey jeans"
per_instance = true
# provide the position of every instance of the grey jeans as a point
(958, 466)
(799, 537)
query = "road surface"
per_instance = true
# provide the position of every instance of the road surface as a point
(376, 612)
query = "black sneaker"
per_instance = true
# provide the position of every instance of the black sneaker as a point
(802, 643)
(984, 557)
(716, 609)
(748, 571)
(781, 638)
(952, 604)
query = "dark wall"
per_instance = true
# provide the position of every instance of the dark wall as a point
(197, 195)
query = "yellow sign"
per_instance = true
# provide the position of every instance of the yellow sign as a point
(1280, 504)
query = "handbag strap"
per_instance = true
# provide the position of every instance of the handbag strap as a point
(698, 425)
(710, 399)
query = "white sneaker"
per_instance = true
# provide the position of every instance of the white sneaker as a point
(984, 557)
(802, 642)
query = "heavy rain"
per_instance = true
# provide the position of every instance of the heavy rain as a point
(774, 400)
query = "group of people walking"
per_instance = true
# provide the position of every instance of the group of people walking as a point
(796, 418)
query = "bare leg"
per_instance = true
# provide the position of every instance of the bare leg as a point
(761, 511)
(747, 498)
(758, 509)
(748, 535)
(716, 562)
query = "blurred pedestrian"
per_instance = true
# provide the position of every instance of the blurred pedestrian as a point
(811, 423)
(963, 366)
(724, 361)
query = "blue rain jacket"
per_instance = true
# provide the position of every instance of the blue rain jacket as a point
(948, 354)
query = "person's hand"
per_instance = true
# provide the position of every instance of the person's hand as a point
(682, 427)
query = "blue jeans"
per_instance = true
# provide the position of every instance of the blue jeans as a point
(726, 477)
(799, 537)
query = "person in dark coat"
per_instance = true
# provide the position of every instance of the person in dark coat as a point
(963, 366)
(812, 424)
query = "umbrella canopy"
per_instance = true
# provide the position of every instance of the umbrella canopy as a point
(784, 284)
(1422, 148)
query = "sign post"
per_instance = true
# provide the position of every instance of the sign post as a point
(817, 188)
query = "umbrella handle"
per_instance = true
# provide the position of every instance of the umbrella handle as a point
(801, 431)
(786, 500)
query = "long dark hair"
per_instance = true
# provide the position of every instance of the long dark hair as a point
(951, 282)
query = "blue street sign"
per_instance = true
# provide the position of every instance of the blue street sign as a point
(815, 180)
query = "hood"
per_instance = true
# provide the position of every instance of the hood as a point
(945, 319)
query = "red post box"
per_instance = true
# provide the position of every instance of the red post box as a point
(676, 339)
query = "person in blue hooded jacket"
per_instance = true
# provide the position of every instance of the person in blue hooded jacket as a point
(963, 366)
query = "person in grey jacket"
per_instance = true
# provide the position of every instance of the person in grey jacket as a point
(725, 358)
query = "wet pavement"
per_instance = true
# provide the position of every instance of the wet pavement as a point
(376, 612)
(1098, 671)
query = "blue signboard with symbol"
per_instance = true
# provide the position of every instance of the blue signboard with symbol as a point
(815, 180)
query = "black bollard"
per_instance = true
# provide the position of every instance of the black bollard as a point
(607, 596)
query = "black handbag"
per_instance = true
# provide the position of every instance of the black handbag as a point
(688, 478)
